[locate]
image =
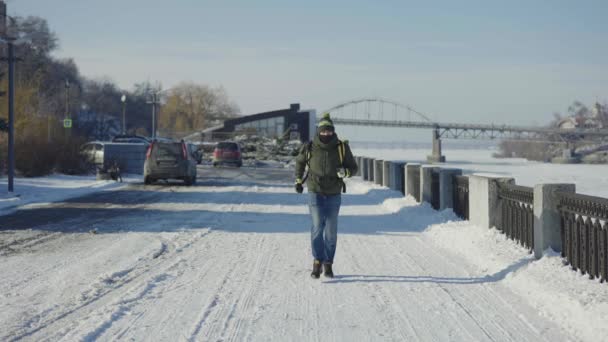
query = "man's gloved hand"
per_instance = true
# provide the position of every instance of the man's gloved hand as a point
(343, 173)
(299, 187)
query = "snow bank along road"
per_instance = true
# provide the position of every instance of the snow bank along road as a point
(229, 259)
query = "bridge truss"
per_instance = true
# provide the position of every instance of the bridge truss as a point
(385, 113)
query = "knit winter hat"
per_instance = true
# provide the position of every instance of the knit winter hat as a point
(325, 123)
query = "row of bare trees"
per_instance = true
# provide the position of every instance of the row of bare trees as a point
(49, 90)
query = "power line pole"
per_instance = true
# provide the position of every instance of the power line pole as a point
(11, 116)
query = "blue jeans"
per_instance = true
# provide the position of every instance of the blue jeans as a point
(324, 210)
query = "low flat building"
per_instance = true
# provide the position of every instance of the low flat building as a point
(291, 123)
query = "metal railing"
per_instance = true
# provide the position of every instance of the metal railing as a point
(461, 196)
(584, 233)
(517, 213)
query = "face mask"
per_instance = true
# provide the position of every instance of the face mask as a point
(325, 138)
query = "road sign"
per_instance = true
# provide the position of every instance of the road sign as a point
(67, 123)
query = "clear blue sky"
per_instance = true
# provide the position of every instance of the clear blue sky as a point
(513, 62)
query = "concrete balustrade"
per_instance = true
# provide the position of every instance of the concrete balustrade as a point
(426, 181)
(397, 176)
(484, 206)
(412, 180)
(547, 220)
(446, 187)
(378, 171)
(386, 174)
(363, 167)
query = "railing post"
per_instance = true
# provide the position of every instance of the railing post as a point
(547, 219)
(363, 168)
(446, 187)
(426, 183)
(404, 179)
(484, 206)
(412, 181)
(396, 177)
(358, 161)
(370, 169)
(386, 174)
(378, 171)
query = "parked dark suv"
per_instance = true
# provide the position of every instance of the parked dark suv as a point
(227, 152)
(169, 160)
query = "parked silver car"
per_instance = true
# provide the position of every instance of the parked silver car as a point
(169, 160)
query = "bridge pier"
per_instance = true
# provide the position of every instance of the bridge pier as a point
(436, 156)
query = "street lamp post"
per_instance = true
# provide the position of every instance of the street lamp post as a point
(123, 99)
(154, 101)
(67, 105)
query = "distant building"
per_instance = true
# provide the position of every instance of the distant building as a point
(567, 123)
(291, 123)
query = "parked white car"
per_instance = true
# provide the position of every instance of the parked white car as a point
(92, 152)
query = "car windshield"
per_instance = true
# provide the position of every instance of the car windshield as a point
(227, 146)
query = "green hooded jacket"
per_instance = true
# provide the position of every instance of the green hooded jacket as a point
(324, 163)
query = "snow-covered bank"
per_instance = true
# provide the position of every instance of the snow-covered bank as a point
(575, 302)
(52, 189)
(589, 179)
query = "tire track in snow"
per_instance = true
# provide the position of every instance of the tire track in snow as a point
(139, 294)
(256, 278)
(216, 316)
(146, 309)
(414, 267)
(18, 245)
(493, 291)
(471, 298)
(384, 297)
(467, 301)
(119, 284)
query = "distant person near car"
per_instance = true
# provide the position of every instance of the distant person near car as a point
(329, 160)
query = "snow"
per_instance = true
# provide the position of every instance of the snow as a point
(229, 259)
(590, 179)
(52, 188)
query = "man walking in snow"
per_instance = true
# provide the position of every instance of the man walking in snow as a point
(329, 161)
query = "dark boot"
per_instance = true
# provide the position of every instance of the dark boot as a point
(327, 271)
(316, 269)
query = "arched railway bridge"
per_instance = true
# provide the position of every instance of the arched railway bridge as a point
(381, 112)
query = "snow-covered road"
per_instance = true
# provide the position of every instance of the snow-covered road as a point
(229, 260)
